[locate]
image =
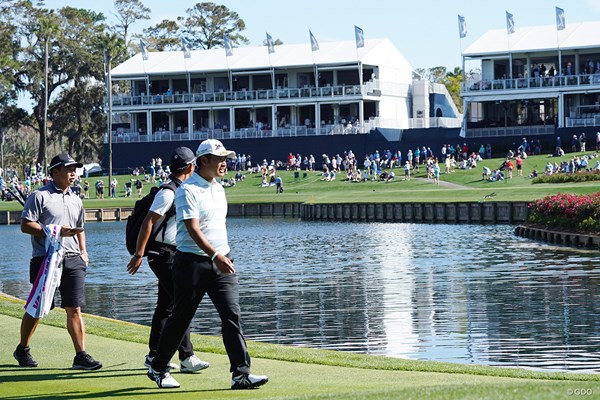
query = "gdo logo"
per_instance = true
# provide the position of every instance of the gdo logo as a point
(580, 392)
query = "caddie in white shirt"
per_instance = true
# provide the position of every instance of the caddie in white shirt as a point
(202, 266)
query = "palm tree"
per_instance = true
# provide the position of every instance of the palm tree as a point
(113, 47)
(48, 29)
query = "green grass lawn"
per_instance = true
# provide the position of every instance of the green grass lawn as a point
(466, 185)
(294, 373)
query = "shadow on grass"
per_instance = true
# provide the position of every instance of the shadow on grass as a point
(123, 392)
(39, 375)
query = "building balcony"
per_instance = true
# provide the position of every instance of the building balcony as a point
(242, 96)
(523, 130)
(125, 136)
(547, 82)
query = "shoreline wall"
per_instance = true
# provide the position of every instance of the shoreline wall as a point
(458, 213)
(573, 239)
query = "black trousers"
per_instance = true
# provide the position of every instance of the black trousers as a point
(161, 261)
(193, 277)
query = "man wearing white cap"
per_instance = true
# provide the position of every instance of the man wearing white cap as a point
(202, 266)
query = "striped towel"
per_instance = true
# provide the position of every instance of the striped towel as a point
(48, 278)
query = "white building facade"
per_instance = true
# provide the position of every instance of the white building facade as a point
(533, 81)
(294, 91)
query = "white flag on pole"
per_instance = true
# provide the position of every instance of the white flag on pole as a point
(144, 50)
(510, 23)
(228, 46)
(359, 35)
(560, 19)
(462, 27)
(314, 45)
(270, 44)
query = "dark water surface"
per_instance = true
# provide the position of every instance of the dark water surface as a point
(457, 293)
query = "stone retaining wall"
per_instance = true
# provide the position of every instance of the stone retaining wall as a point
(562, 238)
(459, 213)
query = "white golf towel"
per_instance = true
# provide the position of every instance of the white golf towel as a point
(48, 278)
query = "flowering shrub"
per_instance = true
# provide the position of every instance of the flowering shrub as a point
(581, 212)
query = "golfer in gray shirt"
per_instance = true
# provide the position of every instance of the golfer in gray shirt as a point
(56, 204)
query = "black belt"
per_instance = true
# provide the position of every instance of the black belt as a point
(69, 255)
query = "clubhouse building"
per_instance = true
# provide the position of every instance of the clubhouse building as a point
(533, 82)
(294, 91)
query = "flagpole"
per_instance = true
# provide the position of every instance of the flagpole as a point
(360, 75)
(229, 73)
(145, 56)
(462, 32)
(508, 33)
(314, 45)
(559, 28)
(269, 43)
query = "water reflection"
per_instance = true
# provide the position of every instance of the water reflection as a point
(466, 294)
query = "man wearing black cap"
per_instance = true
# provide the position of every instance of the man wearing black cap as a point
(56, 204)
(160, 222)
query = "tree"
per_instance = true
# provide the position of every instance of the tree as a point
(276, 42)
(9, 49)
(39, 31)
(453, 81)
(20, 148)
(79, 114)
(163, 36)
(11, 117)
(73, 58)
(128, 12)
(207, 24)
(112, 47)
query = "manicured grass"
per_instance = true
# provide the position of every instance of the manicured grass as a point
(462, 185)
(294, 373)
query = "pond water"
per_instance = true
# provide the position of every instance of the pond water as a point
(457, 293)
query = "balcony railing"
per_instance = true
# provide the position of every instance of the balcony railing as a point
(244, 133)
(583, 121)
(245, 95)
(510, 131)
(528, 83)
(435, 122)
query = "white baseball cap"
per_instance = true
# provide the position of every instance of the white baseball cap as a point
(214, 147)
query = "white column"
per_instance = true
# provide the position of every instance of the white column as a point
(318, 118)
(190, 122)
(361, 114)
(149, 128)
(561, 110)
(231, 119)
(274, 121)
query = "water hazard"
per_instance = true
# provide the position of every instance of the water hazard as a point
(457, 293)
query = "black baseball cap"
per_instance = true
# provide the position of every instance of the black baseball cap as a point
(181, 158)
(63, 160)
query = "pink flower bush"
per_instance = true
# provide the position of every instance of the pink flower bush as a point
(563, 210)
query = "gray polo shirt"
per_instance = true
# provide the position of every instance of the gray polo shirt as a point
(50, 205)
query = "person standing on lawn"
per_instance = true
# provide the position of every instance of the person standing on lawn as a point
(204, 265)
(161, 252)
(56, 204)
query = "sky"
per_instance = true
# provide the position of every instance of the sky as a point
(426, 33)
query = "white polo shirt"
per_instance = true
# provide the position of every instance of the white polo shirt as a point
(205, 201)
(161, 205)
